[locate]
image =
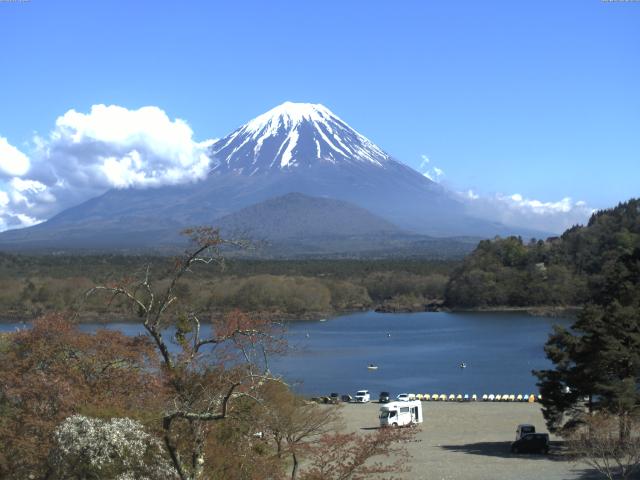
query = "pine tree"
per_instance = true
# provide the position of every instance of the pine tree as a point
(599, 357)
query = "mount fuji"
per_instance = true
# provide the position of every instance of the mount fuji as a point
(294, 148)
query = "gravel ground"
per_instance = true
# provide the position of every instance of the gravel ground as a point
(459, 441)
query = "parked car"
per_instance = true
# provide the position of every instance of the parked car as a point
(334, 398)
(384, 397)
(362, 396)
(403, 397)
(532, 443)
(524, 429)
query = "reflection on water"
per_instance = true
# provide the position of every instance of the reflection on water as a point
(416, 352)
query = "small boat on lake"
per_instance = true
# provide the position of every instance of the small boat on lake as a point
(463, 365)
(371, 366)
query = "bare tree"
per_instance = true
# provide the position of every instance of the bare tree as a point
(293, 423)
(598, 442)
(205, 375)
(352, 456)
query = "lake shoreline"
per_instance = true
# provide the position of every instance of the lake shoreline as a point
(438, 306)
(385, 308)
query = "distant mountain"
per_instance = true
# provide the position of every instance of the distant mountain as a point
(292, 148)
(298, 216)
(297, 225)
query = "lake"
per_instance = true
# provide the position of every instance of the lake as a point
(414, 352)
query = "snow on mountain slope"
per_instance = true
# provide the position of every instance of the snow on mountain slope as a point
(294, 135)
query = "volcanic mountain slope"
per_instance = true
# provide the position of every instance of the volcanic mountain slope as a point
(297, 225)
(292, 148)
(297, 216)
(306, 148)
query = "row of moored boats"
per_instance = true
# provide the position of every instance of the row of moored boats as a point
(443, 397)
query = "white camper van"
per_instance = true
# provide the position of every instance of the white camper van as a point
(397, 414)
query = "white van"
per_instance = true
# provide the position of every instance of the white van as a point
(397, 414)
(362, 396)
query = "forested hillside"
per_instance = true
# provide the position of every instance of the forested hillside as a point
(32, 285)
(560, 271)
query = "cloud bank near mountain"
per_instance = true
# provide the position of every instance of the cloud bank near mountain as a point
(12, 161)
(86, 154)
(515, 209)
(523, 212)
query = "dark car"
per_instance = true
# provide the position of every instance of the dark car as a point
(531, 443)
(334, 398)
(384, 397)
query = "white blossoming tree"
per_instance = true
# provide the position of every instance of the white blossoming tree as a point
(116, 449)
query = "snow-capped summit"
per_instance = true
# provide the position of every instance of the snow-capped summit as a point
(294, 135)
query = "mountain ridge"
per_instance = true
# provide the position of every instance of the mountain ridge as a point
(301, 148)
(295, 215)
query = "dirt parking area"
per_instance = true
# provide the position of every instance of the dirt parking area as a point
(459, 441)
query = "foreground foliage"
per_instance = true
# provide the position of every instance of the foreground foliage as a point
(190, 402)
(53, 371)
(597, 442)
(119, 448)
(599, 358)
(592, 394)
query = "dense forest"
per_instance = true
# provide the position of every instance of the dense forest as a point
(31, 285)
(559, 271)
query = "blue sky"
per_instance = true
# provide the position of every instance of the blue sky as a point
(539, 98)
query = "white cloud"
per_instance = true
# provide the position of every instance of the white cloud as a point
(518, 211)
(88, 153)
(113, 147)
(12, 161)
(434, 173)
(470, 195)
(10, 214)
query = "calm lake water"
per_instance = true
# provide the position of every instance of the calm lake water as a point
(415, 352)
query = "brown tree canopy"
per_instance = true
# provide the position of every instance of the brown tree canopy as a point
(52, 371)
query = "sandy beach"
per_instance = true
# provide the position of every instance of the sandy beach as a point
(460, 441)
